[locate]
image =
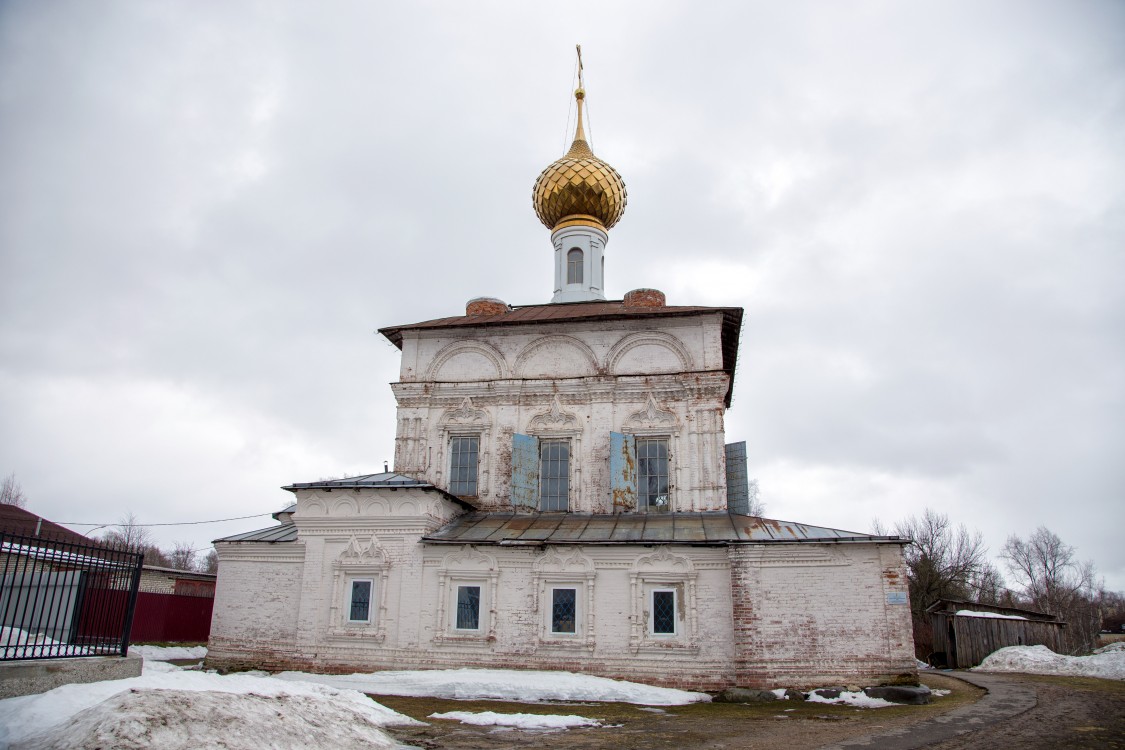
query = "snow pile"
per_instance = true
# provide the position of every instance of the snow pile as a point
(188, 720)
(59, 717)
(1109, 648)
(971, 613)
(522, 686)
(520, 721)
(168, 653)
(857, 699)
(19, 644)
(1042, 660)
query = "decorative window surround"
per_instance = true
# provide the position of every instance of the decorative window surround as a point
(359, 561)
(557, 424)
(662, 571)
(565, 568)
(465, 420)
(466, 567)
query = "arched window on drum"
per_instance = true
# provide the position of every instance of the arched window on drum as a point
(574, 266)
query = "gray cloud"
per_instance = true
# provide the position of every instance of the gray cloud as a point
(206, 210)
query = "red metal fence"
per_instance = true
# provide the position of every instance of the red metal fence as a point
(166, 617)
(171, 617)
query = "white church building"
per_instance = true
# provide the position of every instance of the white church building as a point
(563, 497)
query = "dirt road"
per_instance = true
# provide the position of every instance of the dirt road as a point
(1032, 713)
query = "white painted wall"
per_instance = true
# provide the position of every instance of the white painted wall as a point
(578, 381)
(811, 613)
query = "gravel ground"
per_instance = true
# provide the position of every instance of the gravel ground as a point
(1069, 712)
(779, 724)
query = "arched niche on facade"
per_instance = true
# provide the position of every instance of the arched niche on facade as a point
(556, 356)
(467, 361)
(649, 352)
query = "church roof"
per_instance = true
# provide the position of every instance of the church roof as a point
(386, 479)
(285, 532)
(566, 312)
(707, 528)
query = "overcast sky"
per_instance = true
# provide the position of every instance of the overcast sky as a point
(207, 208)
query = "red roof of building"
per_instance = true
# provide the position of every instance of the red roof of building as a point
(14, 520)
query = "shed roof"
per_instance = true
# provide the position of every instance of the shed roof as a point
(564, 312)
(951, 607)
(707, 528)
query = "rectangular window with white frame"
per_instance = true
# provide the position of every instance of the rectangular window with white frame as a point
(468, 608)
(662, 612)
(359, 599)
(564, 611)
(464, 452)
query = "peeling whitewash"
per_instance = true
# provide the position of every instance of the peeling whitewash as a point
(790, 614)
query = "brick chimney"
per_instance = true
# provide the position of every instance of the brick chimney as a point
(644, 298)
(479, 306)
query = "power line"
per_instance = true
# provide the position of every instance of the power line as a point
(177, 523)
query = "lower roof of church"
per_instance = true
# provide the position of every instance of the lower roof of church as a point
(712, 527)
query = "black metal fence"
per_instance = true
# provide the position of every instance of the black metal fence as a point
(59, 599)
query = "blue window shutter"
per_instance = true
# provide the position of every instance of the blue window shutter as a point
(623, 471)
(525, 471)
(738, 488)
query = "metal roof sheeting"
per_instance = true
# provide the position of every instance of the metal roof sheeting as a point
(710, 528)
(286, 532)
(386, 479)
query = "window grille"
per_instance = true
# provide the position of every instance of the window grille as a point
(574, 266)
(652, 474)
(468, 607)
(554, 474)
(360, 610)
(564, 610)
(664, 612)
(463, 452)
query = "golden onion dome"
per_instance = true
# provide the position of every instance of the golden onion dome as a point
(579, 188)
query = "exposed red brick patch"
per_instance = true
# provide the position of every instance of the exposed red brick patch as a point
(486, 306)
(644, 298)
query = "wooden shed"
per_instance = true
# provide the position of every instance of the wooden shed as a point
(966, 632)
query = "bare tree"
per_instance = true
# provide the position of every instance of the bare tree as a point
(987, 585)
(944, 562)
(182, 556)
(210, 562)
(11, 493)
(757, 507)
(130, 535)
(1053, 580)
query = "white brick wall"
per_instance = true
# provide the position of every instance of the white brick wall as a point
(576, 383)
(810, 614)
